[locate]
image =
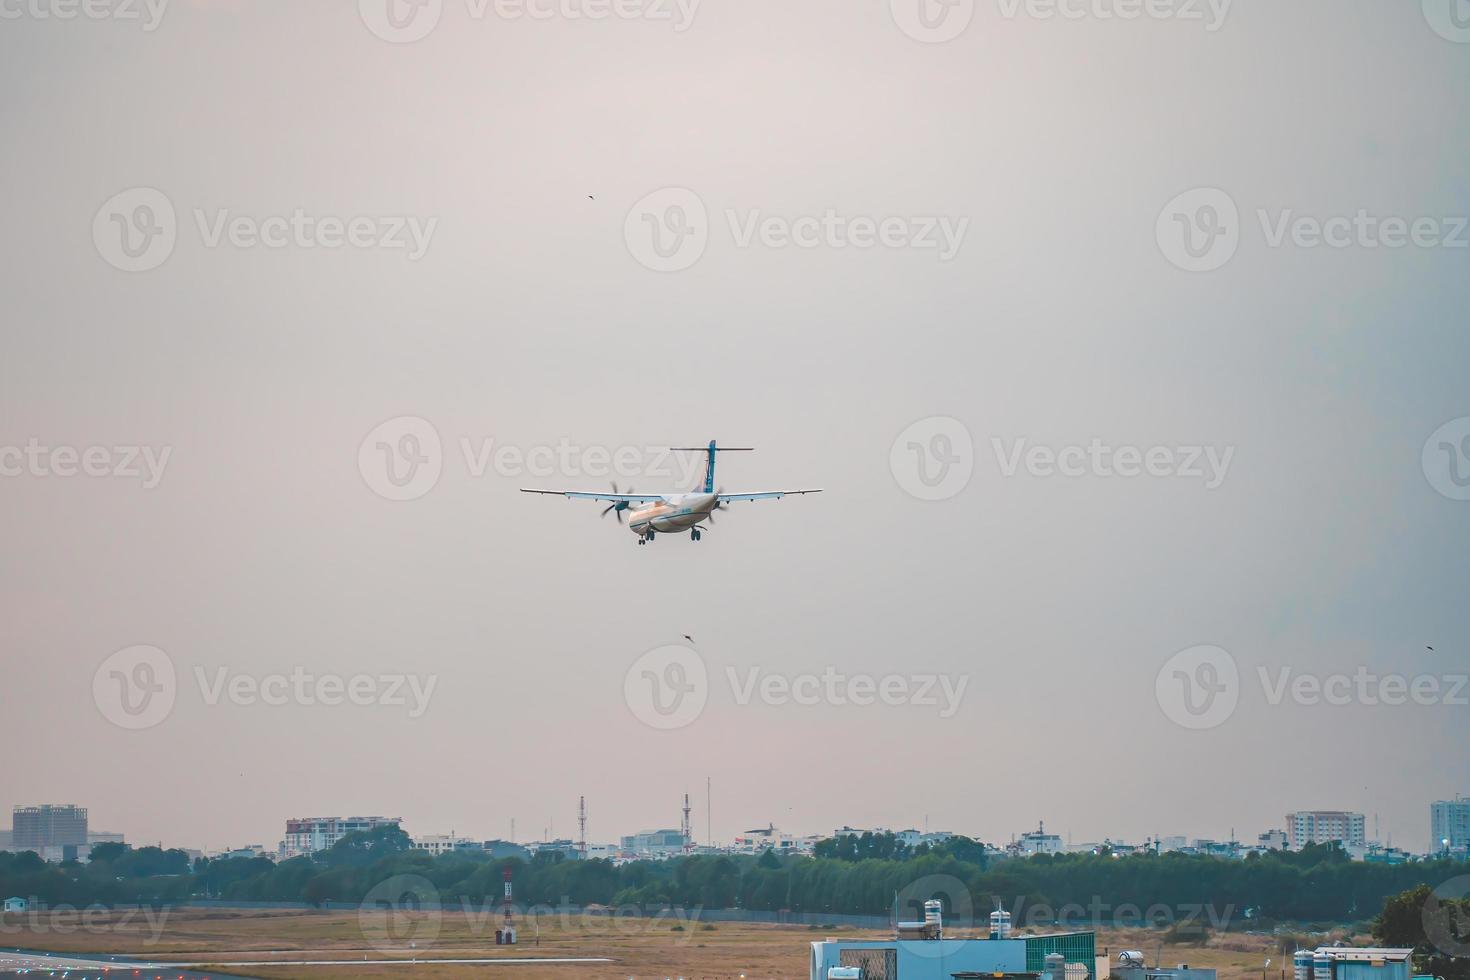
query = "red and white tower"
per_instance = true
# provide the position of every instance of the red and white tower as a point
(506, 934)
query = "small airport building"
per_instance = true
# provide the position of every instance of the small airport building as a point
(919, 951)
(1353, 963)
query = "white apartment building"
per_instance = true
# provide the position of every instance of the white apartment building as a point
(768, 838)
(1323, 827)
(1449, 825)
(437, 844)
(307, 835)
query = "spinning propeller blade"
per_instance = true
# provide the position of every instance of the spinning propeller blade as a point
(617, 506)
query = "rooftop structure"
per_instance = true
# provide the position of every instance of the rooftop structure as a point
(1037, 841)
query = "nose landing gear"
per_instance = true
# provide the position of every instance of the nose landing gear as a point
(694, 534)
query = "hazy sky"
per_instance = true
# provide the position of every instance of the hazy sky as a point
(531, 311)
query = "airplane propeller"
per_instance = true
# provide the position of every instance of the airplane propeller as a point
(617, 506)
(719, 505)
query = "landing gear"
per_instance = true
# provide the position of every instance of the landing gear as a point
(694, 534)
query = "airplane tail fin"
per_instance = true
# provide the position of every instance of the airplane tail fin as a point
(710, 451)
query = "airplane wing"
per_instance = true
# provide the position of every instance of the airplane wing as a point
(726, 498)
(630, 498)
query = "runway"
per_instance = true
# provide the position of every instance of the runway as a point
(14, 963)
(17, 963)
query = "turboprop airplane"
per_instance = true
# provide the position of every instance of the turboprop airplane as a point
(652, 514)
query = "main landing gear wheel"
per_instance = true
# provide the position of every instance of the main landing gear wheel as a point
(694, 534)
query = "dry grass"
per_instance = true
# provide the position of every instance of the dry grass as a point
(638, 947)
(641, 948)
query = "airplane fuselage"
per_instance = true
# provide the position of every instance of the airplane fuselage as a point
(676, 512)
(649, 515)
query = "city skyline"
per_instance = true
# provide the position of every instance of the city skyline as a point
(1371, 834)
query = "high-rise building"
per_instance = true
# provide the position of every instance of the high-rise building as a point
(49, 825)
(307, 835)
(654, 843)
(1449, 825)
(1324, 827)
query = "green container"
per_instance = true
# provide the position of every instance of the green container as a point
(1077, 947)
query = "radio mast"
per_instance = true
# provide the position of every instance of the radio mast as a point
(686, 828)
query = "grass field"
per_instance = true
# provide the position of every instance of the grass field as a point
(640, 948)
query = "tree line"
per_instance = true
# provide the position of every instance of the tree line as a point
(845, 876)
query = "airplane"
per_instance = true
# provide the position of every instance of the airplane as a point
(652, 514)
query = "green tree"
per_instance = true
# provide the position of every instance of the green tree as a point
(110, 851)
(364, 847)
(1438, 930)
